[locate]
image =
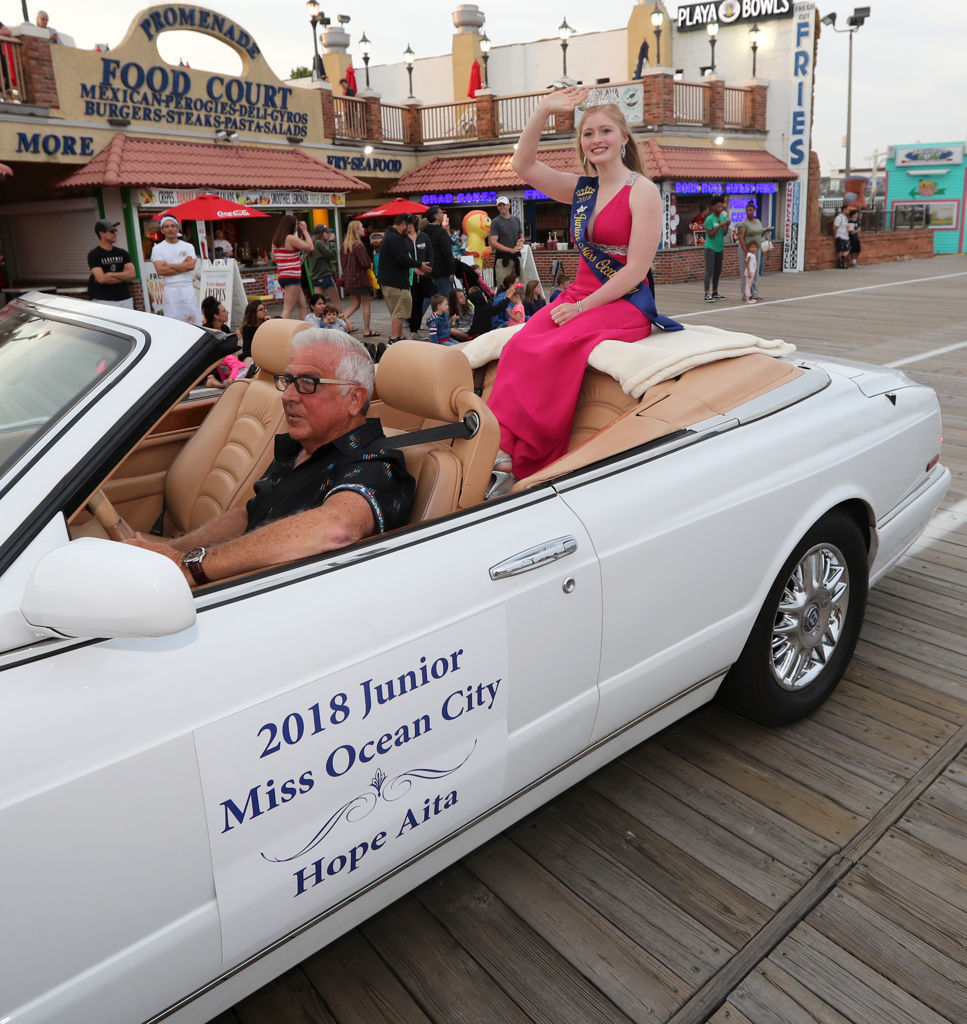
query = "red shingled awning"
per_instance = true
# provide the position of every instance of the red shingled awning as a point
(494, 170)
(134, 161)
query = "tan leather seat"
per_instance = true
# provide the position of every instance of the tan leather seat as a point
(218, 467)
(435, 382)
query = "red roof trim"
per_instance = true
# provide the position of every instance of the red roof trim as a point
(134, 161)
(494, 170)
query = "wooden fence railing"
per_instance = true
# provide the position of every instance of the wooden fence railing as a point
(691, 103)
(11, 71)
(738, 108)
(391, 118)
(449, 122)
(513, 112)
(350, 117)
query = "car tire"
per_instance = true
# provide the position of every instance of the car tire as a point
(806, 632)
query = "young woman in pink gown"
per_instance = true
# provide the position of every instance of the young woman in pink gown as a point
(541, 368)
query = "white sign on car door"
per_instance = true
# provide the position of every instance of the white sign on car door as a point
(313, 794)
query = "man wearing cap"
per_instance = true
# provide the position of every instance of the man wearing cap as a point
(174, 261)
(111, 268)
(322, 266)
(506, 240)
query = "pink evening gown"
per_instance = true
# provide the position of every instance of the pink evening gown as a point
(541, 368)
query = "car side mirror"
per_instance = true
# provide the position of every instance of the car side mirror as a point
(100, 588)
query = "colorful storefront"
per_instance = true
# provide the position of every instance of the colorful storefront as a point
(688, 177)
(926, 186)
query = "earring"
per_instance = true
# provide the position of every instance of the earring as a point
(624, 149)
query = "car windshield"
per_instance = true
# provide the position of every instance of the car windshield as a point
(46, 367)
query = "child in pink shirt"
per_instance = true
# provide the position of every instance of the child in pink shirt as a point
(515, 312)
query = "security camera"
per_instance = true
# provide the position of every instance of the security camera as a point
(343, 19)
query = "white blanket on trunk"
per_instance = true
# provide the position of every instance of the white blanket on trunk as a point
(638, 365)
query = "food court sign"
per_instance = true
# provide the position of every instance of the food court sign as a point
(134, 84)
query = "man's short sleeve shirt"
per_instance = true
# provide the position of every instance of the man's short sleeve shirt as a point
(352, 462)
(174, 253)
(111, 261)
(507, 230)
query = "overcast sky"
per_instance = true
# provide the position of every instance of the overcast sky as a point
(909, 67)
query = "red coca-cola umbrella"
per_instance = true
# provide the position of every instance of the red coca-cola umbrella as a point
(209, 207)
(475, 82)
(393, 207)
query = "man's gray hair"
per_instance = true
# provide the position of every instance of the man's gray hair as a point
(356, 363)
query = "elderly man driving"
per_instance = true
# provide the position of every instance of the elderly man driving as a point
(330, 485)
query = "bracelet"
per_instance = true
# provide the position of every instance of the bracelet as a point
(580, 307)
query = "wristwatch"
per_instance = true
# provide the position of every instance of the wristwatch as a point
(192, 561)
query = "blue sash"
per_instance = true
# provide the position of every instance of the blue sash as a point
(641, 296)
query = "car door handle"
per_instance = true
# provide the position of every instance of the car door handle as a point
(534, 558)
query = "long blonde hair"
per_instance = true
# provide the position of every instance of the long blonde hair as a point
(354, 233)
(631, 159)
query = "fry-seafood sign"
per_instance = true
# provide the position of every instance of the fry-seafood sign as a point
(312, 795)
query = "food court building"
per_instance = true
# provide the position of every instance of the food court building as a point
(123, 135)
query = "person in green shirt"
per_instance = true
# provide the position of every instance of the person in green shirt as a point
(716, 228)
(322, 265)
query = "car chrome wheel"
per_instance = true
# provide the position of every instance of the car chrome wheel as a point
(807, 628)
(810, 617)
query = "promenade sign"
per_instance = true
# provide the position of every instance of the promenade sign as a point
(132, 84)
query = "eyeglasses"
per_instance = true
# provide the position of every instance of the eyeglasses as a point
(306, 385)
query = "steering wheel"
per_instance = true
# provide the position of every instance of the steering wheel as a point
(99, 505)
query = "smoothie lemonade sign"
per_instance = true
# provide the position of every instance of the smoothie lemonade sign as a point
(311, 795)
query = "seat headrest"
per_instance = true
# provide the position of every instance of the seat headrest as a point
(272, 344)
(423, 378)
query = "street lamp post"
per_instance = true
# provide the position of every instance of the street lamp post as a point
(409, 56)
(755, 34)
(316, 17)
(485, 53)
(657, 20)
(854, 21)
(712, 28)
(364, 45)
(564, 32)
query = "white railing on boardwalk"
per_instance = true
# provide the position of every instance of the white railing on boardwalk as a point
(447, 122)
(513, 112)
(691, 103)
(738, 108)
(350, 117)
(392, 121)
(11, 71)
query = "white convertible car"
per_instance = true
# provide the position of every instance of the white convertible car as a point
(198, 789)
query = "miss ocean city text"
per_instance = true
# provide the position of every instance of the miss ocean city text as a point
(302, 725)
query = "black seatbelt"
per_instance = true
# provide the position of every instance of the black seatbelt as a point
(463, 430)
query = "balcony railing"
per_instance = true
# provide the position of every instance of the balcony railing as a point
(391, 118)
(11, 71)
(738, 108)
(708, 104)
(449, 122)
(691, 103)
(513, 112)
(350, 117)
